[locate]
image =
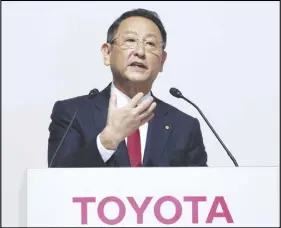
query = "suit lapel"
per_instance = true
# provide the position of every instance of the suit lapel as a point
(100, 110)
(159, 131)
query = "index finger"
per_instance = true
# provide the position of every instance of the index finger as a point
(135, 100)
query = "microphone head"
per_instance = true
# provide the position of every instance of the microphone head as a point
(175, 92)
(93, 93)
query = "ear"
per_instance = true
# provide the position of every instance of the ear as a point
(164, 57)
(106, 51)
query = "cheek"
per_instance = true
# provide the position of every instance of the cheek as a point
(155, 65)
(119, 59)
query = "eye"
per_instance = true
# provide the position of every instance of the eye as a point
(150, 43)
(130, 40)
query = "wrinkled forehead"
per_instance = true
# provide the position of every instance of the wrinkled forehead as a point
(139, 26)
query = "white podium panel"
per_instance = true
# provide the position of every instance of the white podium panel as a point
(211, 196)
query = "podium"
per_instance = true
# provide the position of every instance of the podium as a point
(147, 197)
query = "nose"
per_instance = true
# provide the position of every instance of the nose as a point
(140, 50)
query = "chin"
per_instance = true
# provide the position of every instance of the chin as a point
(137, 77)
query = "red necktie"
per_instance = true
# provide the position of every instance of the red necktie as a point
(134, 148)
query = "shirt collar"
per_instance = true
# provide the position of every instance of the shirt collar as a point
(123, 99)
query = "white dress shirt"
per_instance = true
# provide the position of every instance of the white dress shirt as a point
(123, 100)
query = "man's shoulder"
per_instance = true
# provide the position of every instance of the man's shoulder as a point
(69, 105)
(175, 112)
(76, 100)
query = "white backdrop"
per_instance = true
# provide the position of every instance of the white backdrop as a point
(224, 56)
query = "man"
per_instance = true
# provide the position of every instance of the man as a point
(125, 125)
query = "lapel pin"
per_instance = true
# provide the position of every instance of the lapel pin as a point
(167, 127)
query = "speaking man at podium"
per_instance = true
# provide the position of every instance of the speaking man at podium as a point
(125, 125)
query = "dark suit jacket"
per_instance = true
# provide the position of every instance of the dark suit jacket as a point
(180, 145)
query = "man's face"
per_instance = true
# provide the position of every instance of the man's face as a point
(136, 54)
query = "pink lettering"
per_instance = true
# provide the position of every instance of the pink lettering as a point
(122, 210)
(213, 211)
(139, 210)
(157, 210)
(142, 207)
(194, 200)
(84, 209)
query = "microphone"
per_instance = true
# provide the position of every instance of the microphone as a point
(176, 93)
(92, 94)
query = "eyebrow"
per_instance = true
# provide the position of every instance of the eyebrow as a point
(149, 34)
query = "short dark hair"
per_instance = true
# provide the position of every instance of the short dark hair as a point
(151, 15)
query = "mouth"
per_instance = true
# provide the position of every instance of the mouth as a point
(138, 65)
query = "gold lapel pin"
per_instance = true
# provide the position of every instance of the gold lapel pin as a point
(167, 127)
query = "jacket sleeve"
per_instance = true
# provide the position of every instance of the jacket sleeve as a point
(72, 152)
